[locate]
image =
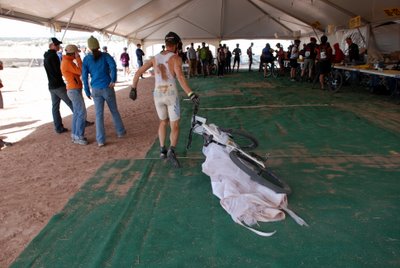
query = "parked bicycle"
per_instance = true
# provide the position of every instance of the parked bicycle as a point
(237, 142)
(271, 69)
(332, 81)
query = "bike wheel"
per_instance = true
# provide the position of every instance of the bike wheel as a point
(335, 81)
(259, 174)
(243, 139)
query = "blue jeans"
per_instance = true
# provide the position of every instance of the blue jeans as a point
(79, 115)
(57, 95)
(107, 95)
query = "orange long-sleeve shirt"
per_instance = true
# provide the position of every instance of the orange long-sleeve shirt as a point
(72, 72)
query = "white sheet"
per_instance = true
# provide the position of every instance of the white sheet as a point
(245, 200)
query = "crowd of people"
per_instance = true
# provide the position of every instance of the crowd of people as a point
(317, 58)
(92, 71)
(70, 76)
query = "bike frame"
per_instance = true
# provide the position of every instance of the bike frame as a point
(214, 134)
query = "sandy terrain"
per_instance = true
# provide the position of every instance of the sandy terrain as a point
(42, 170)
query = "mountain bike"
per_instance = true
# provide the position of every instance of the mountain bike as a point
(237, 142)
(271, 69)
(332, 80)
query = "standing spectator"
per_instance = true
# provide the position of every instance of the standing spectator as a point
(281, 58)
(237, 52)
(162, 48)
(228, 60)
(57, 86)
(324, 57)
(309, 59)
(192, 60)
(203, 55)
(139, 56)
(104, 49)
(124, 58)
(294, 55)
(221, 61)
(354, 54)
(167, 69)
(338, 56)
(1, 86)
(72, 74)
(265, 58)
(250, 55)
(103, 74)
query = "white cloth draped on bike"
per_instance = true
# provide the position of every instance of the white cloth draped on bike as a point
(245, 200)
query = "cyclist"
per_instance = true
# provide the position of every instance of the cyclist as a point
(168, 68)
(324, 58)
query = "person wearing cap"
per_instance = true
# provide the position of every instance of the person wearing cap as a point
(57, 86)
(72, 74)
(103, 74)
(167, 69)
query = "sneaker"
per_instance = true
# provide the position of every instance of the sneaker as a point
(81, 141)
(163, 153)
(62, 130)
(100, 144)
(172, 158)
(122, 135)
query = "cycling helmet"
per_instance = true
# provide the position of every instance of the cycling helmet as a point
(324, 39)
(173, 38)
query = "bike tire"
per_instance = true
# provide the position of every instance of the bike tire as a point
(242, 138)
(335, 81)
(259, 174)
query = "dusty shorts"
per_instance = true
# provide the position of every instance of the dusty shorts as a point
(166, 101)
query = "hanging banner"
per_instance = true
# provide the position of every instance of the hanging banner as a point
(355, 22)
(392, 12)
(316, 25)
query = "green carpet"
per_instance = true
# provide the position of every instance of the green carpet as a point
(344, 171)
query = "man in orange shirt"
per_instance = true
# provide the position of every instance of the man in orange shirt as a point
(71, 69)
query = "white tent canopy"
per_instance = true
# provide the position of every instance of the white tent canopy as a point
(198, 19)
(148, 21)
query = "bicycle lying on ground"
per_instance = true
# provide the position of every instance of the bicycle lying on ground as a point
(237, 142)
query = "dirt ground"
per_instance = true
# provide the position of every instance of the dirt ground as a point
(42, 169)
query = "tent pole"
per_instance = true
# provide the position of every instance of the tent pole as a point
(316, 34)
(69, 21)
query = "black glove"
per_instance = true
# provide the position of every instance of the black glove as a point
(194, 98)
(133, 93)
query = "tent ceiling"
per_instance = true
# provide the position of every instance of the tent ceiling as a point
(149, 20)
